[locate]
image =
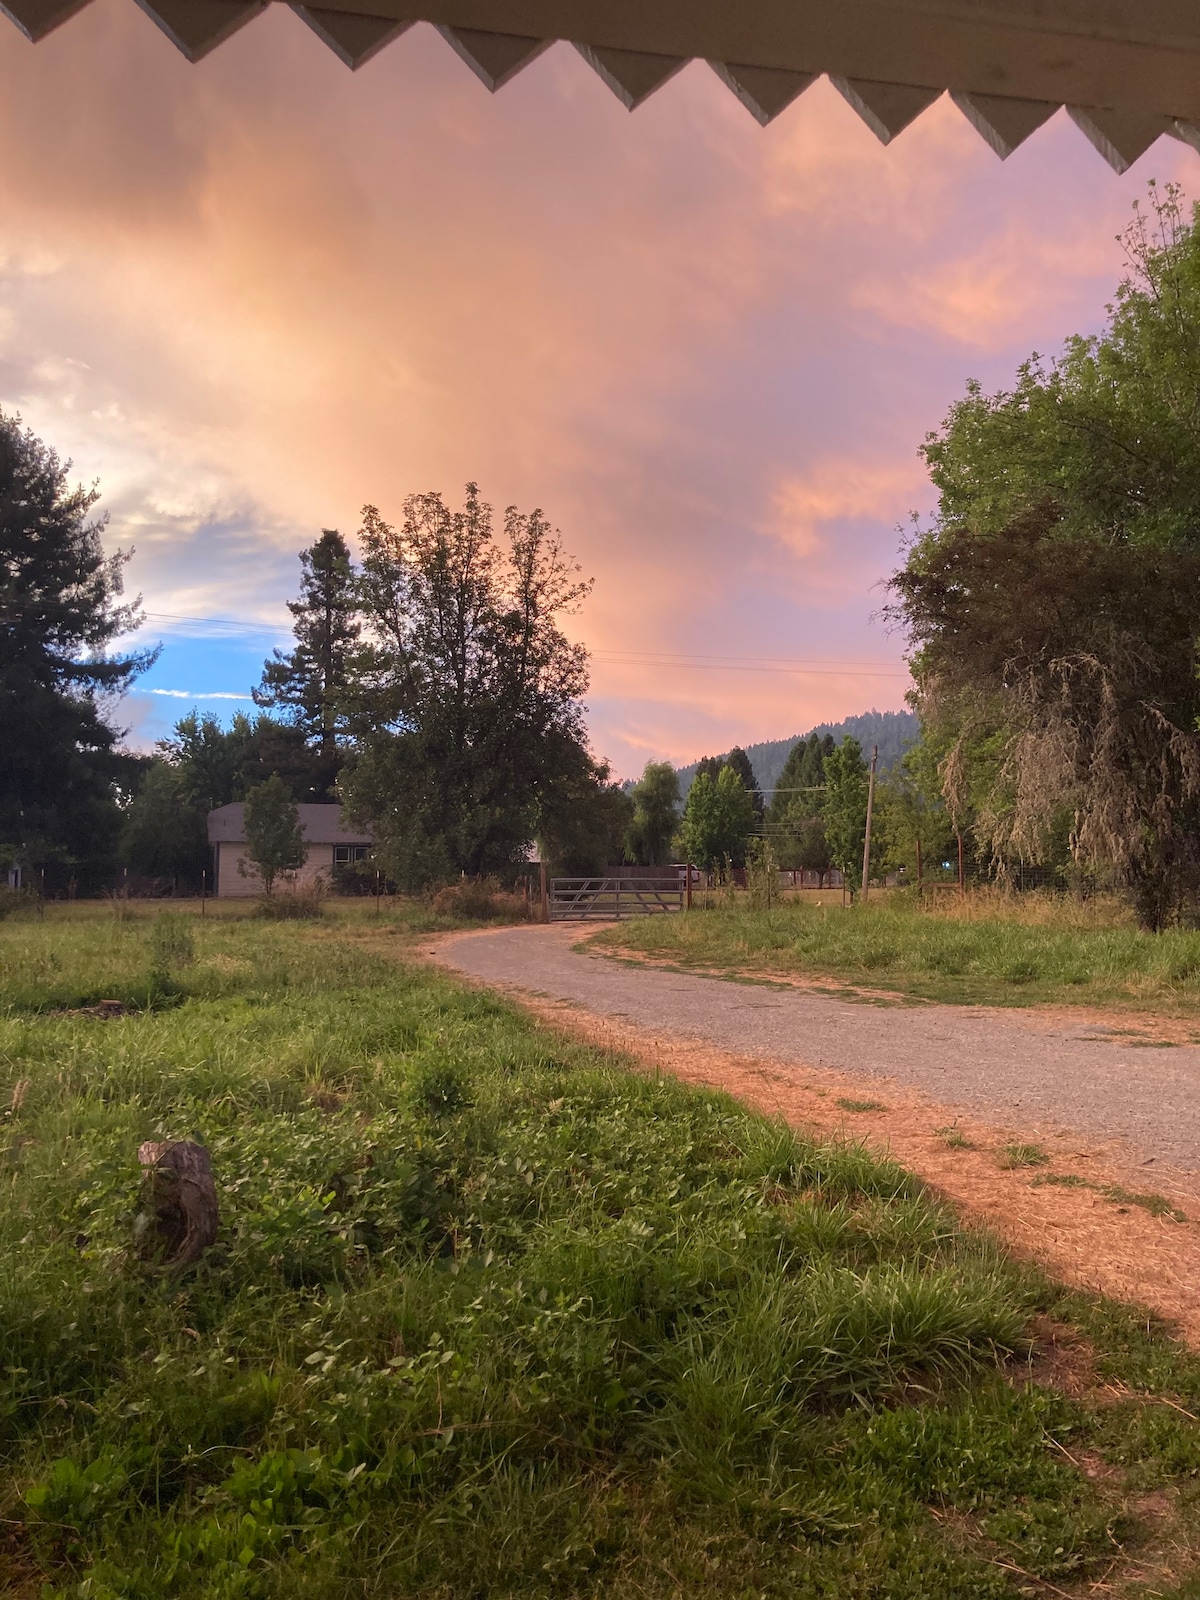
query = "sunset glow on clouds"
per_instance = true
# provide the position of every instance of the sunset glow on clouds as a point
(251, 295)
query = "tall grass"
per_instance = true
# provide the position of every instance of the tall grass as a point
(487, 1315)
(979, 949)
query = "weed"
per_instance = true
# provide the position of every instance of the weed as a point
(293, 907)
(954, 1138)
(1023, 1155)
(1156, 1204)
(860, 1105)
(172, 943)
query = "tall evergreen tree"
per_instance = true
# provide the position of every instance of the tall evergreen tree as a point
(59, 615)
(739, 761)
(309, 684)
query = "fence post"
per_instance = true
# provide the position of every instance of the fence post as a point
(962, 882)
(918, 866)
(867, 836)
(688, 876)
(545, 891)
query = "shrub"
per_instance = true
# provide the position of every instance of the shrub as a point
(480, 900)
(13, 900)
(297, 907)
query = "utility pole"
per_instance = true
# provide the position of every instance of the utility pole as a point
(870, 809)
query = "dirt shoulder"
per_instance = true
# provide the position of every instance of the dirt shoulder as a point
(1086, 1213)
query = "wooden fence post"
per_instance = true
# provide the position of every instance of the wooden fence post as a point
(545, 888)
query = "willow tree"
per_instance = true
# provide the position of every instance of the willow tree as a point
(1052, 605)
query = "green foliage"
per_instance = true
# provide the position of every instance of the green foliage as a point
(718, 820)
(314, 683)
(467, 712)
(793, 818)
(217, 765)
(488, 1314)
(172, 941)
(845, 808)
(585, 821)
(274, 840)
(1052, 606)
(655, 815)
(1073, 957)
(60, 613)
(165, 833)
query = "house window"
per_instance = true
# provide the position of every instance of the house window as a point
(345, 854)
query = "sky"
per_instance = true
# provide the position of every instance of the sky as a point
(248, 297)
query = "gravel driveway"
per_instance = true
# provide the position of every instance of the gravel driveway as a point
(1008, 1067)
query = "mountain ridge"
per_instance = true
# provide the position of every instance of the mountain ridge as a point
(892, 731)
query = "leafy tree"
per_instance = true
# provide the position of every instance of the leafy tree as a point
(655, 815)
(274, 839)
(1052, 605)
(165, 835)
(740, 762)
(910, 811)
(718, 820)
(218, 765)
(311, 684)
(1066, 671)
(845, 809)
(61, 771)
(584, 828)
(468, 714)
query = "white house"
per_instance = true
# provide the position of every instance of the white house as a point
(329, 844)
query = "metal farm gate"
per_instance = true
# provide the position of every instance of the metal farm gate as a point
(610, 898)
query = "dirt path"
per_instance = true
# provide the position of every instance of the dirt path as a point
(946, 1089)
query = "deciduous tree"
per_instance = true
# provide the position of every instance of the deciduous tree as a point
(655, 815)
(718, 820)
(845, 809)
(469, 714)
(274, 839)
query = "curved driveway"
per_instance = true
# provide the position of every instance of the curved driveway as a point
(1010, 1067)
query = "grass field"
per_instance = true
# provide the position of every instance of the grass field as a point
(490, 1315)
(989, 951)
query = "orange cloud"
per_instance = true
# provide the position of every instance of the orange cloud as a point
(253, 294)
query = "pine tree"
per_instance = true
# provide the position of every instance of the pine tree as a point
(310, 683)
(59, 614)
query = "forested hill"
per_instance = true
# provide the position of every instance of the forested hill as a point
(892, 731)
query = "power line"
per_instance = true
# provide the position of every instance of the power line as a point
(817, 666)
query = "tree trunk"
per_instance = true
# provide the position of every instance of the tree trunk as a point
(179, 1221)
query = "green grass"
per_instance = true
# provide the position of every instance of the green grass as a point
(991, 957)
(490, 1315)
(1023, 1155)
(861, 1105)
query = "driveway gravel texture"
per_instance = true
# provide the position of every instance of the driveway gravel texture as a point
(1019, 1068)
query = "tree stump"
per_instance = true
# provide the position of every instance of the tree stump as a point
(180, 1220)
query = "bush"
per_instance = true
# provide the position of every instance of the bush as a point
(297, 907)
(13, 900)
(481, 900)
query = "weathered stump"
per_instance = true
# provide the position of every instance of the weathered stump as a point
(179, 1222)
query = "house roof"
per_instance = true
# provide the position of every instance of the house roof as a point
(1126, 70)
(319, 825)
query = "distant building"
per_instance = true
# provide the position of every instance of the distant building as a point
(330, 845)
